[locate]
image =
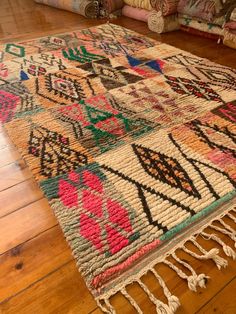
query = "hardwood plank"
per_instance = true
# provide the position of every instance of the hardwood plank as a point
(4, 140)
(18, 196)
(177, 286)
(26, 19)
(25, 224)
(13, 174)
(222, 303)
(8, 155)
(62, 291)
(32, 260)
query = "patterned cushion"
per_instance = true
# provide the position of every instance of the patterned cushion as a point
(203, 9)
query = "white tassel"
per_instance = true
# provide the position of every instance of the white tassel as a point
(212, 254)
(227, 249)
(161, 307)
(191, 280)
(108, 309)
(227, 227)
(232, 217)
(201, 279)
(173, 301)
(131, 300)
(224, 231)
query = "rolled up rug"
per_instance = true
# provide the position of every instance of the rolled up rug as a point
(197, 32)
(190, 24)
(233, 15)
(141, 4)
(167, 7)
(230, 25)
(204, 9)
(229, 39)
(111, 6)
(135, 13)
(186, 19)
(162, 24)
(87, 8)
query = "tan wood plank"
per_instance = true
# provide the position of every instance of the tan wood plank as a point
(176, 285)
(62, 291)
(25, 224)
(13, 174)
(224, 302)
(8, 155)
(32, 260)
(4, 140)
(18, 196)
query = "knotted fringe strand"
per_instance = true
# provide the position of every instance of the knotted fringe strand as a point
(194, 280)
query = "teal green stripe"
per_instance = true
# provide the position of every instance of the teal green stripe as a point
(169, 234)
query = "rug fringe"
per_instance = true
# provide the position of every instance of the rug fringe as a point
(193, 279)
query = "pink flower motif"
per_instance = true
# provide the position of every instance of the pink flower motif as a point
(92, 203)
(118, 215)
(68, 194)
(73, 176)
(115, 240)
(92, 181)
(91, 230)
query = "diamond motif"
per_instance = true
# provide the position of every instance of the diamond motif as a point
(165, 169)
(54, 151)
(196, 88)
(15, 50)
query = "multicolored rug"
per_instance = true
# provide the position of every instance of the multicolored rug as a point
(133, 143)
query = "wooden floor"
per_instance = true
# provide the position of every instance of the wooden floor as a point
(37, 272)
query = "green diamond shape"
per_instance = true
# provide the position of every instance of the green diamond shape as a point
(15, 50)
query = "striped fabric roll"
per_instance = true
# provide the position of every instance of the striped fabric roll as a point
(87, 8)
(110, 6)
(167, 7)
(141, 4)
(162, 24)
(136, 13)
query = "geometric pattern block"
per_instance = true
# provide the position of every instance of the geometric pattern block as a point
(69, 86)
(113, 40)
(227, 111)
(185, 59)
(100, 218)
(215, 75)
(205, 70)
(183, 170)
(56, 53)
(99, 126)
(26, 103)
(214, 138)
(21, 69)
(46, 146)
(184, 86)
(111, 76)
(154, 101)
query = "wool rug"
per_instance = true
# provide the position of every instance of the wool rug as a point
(133, 143)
